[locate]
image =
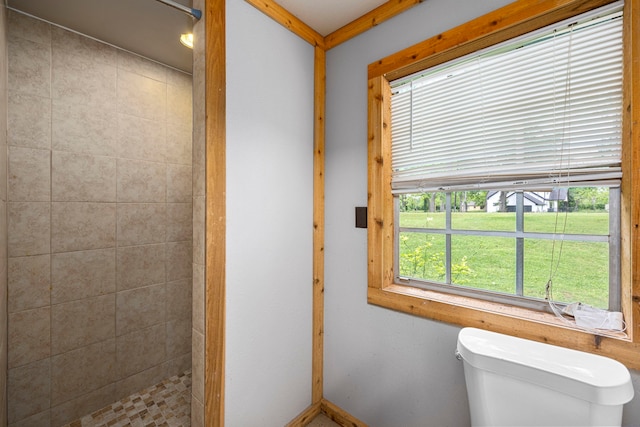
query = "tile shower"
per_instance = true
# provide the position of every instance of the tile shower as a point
(99, 223)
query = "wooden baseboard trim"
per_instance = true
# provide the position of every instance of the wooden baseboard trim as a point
(340, 416)
(305, 416)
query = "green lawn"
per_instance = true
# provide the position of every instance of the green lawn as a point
(488, 262)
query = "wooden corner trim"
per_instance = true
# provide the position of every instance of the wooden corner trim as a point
(305, 417)
(339, 415)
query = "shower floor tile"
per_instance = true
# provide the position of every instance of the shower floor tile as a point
(167, 404)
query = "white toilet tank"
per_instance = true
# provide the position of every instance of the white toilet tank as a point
(516, 382)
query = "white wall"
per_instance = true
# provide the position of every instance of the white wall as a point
(384, 367)
(269, 220)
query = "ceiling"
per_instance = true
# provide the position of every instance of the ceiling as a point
(152, 29)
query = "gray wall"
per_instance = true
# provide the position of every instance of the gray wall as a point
(99, 212)
(269, 220)
(384, 367)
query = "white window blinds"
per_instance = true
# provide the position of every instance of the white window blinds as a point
(542, 109)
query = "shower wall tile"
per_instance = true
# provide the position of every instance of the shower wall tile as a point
(29, 390)
(178, 105)
(179, 295)
(65, 42)
(29, 282)
(79, 226)
(141, 223)
(29, 175)
(83, 405)
(180, 255)
(198, 162)
(83, 178)
(29, 336)
(198, 229)
(179, 183)
(198, 298)
(141, 96)
(42, 419)
(81, 371)
(141, 139)
(179, 79)
(140, 181)
(139, 65)
(197, 413)
(76, 79)
(141, 350)
(179, 364)
(29, 228)
(197, 363)
(179, 143)
(82, 128)
(140, 266)
(82, 274)
(179, 222)
(29, 70)
(29, 120)
(178, 337)
(139, 308)
(80, 323)
(136, 382)
(25, 27)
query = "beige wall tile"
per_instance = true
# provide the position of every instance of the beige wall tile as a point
(141, 380)
(79, 80)
(179, 104)
(180, 364)
(25, 27)
(29, 279)
(80, 323)
(180, 255)
(141, 139)
(83, 405)
(179, 222)
(140, 266)
(141, 350)
(141, 223)
(81, 226)
(141, 96)
(179, 182)
(179, 143)
(140, 181)
(29, 336)
(81, 371)
(29, 228)
(180, 79)
(29, 175)
(42, 419)
(198, 163)
(29, 67)
(198, 298)
(81, 128)
(197, 366)
(179, 298)
(139, 65)
(82, 274)
(64, 42)
(197, 413)
(198, 229)
(178, 337)
(139, 308)
(29, 120)
(83, 178)
(29, 387)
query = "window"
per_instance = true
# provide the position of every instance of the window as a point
(493, 189)
(512, 127)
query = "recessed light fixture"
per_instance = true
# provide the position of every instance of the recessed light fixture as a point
(187, 40)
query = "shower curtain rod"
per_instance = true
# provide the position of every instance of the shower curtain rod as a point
(193, 12)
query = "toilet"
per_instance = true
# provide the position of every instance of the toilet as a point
(516, 382)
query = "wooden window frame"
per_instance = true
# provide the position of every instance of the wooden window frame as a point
(511, 21)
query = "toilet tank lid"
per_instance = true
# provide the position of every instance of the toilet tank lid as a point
(583, 375)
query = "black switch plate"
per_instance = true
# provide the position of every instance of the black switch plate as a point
(361, 217)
